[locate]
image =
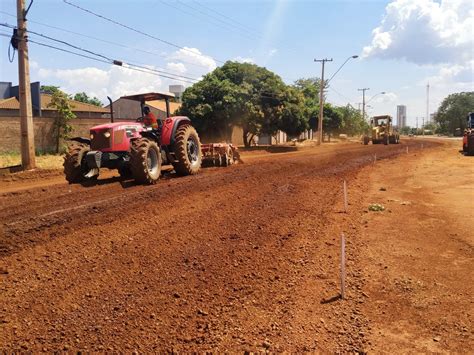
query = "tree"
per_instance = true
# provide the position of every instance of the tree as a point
(49, 89)
(352, 121)
(332, 120)
(63, 117)
(453, 111)
(246, 95)
(83, 97)
(405, 130)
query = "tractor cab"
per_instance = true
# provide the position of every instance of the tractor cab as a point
(148, 97)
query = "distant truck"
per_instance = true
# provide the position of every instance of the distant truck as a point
(468, 137)
(382, 131)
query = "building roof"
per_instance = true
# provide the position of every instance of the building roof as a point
(76, 106)
(161, 105)
(12, 103)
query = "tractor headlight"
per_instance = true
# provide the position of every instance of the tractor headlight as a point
(92, 135)
(107, 134)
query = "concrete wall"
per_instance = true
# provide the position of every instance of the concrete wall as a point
(44, 132)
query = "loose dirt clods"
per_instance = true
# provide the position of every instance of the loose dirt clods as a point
(241, 259)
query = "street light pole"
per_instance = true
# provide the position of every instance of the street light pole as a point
(321, 100)
(321, 92)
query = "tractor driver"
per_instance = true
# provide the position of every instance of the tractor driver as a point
(149, 118)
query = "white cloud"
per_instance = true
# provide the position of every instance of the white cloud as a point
(457, 74)
(178, 68)
(114, 81)
(244, 60)
(193, 56)
(425, 32)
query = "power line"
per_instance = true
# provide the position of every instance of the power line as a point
(225, 16)
(128, 66)
(106, 58)
(138, 31)
(228, 26)
(106, 41)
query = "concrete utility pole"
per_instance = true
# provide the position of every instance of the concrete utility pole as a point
(321, 100)
(422, 126)
(417, 126)
(363, 100)
(26, 111)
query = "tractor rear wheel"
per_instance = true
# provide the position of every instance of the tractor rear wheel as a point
(75, 165)
(187, 150)
(145, 161)
(366, 140)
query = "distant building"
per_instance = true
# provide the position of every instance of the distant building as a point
(177, 90)
(401, 116)
(10, 104)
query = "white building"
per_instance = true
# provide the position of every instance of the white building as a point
(401, 116)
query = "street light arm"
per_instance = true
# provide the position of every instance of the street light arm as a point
(337, 71)
(380, 93)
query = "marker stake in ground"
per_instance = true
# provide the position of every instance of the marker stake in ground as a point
(345, 196)
(375, 157)
(343, 266)
(407, 149)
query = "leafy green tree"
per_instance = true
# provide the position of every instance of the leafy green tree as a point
(453, 111)
(294, 119)
(332, 120)
(352, 121)
(49, 89)
(83, 97)
(405, 130)
(246, 95)
(63, 117)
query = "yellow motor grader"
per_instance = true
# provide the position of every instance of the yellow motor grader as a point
(382, 131)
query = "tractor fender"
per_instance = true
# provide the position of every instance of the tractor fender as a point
(81, 140)
(170, 127)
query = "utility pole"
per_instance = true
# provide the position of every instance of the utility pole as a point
(363, 101)
(422, 126)
(417, 126)
(26, 111)
(321, 100)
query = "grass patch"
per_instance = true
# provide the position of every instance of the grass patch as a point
(43, 160)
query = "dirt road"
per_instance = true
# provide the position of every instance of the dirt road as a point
(242, 259)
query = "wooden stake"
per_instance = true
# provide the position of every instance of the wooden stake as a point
(343, 266)
(407, 150)
(345, 197)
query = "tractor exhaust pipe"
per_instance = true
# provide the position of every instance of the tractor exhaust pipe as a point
(111, 110)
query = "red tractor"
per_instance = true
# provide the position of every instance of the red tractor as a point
(135, 150)
(468, 137)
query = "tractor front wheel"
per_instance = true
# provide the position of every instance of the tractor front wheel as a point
(145, 161)
(75, 165)
(187, 150)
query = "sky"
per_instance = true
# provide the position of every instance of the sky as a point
(402, 46)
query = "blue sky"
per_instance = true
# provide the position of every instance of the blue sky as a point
(402, 45)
